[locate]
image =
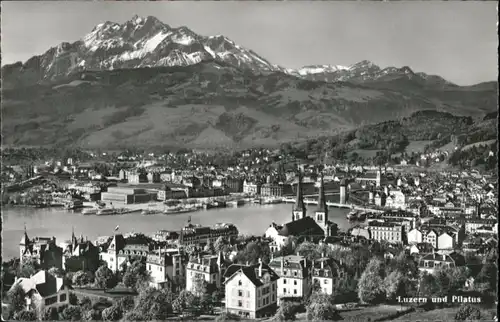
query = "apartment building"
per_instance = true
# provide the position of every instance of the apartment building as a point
(209, 268)
(295, 278)
(251, 290)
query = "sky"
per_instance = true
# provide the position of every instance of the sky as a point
(456, 40)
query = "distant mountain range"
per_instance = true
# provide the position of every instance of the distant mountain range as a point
(146, 83)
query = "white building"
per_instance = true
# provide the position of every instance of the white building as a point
(251, 291)
(208, 268)
(295, 278)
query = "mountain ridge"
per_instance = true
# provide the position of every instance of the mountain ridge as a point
(143, 83)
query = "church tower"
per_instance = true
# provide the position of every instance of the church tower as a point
(24, 244)
(321, 214)
(299, 209)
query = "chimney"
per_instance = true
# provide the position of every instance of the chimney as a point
(282, 263)
(322, 263)
(323, 255)
(260, 267)
(298, 254)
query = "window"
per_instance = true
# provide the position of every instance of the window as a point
(62, 298)
(294, 282)
(240, 303)
(284, 290)
(284, 281)
(51, 300)
(294, 273)
(239, 283)
(325, 282)
(161, 269)
(240, 293)
(294, 291)
(149, 267)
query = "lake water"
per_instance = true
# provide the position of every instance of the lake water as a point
(249, 219)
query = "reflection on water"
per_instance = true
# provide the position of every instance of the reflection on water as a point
(249, 219)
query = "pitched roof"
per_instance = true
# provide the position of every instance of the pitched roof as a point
(42, 282)
(303, 227)
(252, 272)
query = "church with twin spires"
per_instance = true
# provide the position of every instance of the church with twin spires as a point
(303, 226)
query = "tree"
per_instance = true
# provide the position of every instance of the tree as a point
(92, 315)
(50, 314)
(25, 315)
(73, 299)
(17, 299)
(112, 313)
(428, 286)
(320, 308)
(184, 301)
(85, 303)
(254, 251)
(28, 268)
(136, 275)
(468, 312)
(152, 304)
(209, 247)
(199, 285)
(394, 285)
(309, 250)
(286, 312)
(488, 277)
(81, 278)
(126, 303)
(105, 278)
(72, 313)
(371, 286)
(220, 244)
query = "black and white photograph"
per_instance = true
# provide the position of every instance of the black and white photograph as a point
(249, 160)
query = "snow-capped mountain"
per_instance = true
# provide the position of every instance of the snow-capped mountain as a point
(362, 72)
(148, 42)
(143, 42)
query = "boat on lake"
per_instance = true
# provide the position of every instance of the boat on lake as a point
(271, 201)
(73, 204)
(89, 211)
(107, 211)
(179, 210)
(214, 204)
(235, 203)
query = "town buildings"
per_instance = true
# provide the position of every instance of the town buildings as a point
(430, 263)
(251, 291)
(166, 268)
(303, 226)
(208, 268)
(200, 235)
(326, 275)
(390, 232)
(294, 273)
(42, 250)
(81, 254)
(43, 290)
(121, 250)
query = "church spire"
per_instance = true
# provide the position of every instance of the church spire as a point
(299, 209)
(25, 241)
(322, 207)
